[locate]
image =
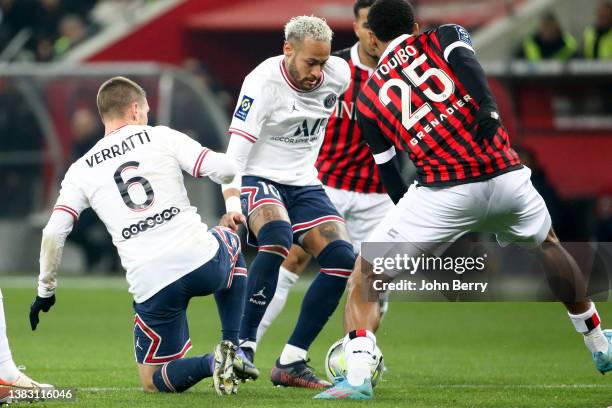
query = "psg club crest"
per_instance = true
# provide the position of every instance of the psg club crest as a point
(330, 100)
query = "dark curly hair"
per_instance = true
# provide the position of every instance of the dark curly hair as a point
(389, 19)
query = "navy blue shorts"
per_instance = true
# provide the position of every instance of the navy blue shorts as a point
(307, 206)
(161, 332)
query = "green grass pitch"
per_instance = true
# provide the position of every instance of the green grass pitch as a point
(437, 354)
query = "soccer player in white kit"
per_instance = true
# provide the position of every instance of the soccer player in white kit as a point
(10, 376)
(132, 178)
(276, 133)
(346, 169)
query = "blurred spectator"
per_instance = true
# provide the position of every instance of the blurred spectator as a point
(44, 50)
(549, 42)
(86, 132)
(598, 38)
(72, 31)
(199, 71)
(20, 136)
(61, 23)
(89, 233)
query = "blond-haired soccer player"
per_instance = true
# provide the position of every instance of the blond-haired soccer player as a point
(276, 132)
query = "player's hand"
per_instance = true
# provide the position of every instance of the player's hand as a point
(39, 304)
(487, 127)
(232, 220)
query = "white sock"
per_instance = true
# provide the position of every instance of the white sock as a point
(286, 279)
(588, 323)
(291, 354)
(248, 344)
(8, 370)
(359, 352)
(596, 341)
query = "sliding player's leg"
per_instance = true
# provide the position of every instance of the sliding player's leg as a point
(10, 376)
(288, 274)
(230, 303)
(161, 340)
(161, 332)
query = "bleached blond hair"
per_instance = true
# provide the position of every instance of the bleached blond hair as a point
(300, 27)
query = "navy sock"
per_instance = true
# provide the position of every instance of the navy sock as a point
(274, 241)
(337, 261)
(181, 374)
(230, 302)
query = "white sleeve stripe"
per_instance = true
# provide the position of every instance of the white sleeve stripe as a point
(382, 158)
(454, 45)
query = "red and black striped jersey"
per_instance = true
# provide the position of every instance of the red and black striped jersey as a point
(415, 102)
(345, 160)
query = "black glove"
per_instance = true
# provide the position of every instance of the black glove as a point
(39, 304)
(488, 124)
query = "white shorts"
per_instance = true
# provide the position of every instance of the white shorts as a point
(433, 217)
(361, 211)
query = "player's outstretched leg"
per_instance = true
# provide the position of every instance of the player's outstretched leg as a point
(288, 274)
(10, 376)
(320, 301)
(274, 239)
(569, 286)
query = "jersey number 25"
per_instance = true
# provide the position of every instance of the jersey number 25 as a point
(409, 118)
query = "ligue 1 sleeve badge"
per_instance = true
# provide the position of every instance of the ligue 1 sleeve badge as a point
(330, 100)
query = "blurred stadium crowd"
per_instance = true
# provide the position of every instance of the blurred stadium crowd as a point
(47, 30)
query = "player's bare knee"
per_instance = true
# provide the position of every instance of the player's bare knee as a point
(265, 214)
(318, 238)
(297, 261)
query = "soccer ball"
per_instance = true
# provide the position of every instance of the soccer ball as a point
(335, 363)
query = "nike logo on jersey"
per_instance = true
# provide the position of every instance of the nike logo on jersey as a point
(127, 145)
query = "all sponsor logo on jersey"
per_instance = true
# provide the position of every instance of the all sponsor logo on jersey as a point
(244, 108)
(150, 222)
(330, 100)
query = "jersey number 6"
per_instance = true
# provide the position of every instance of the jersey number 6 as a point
(123, 187)
(409, 118)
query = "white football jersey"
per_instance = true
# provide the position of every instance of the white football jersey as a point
(286, 124)
(132, 179)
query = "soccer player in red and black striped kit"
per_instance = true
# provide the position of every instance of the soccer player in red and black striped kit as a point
(346, 168)
(429, 97)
